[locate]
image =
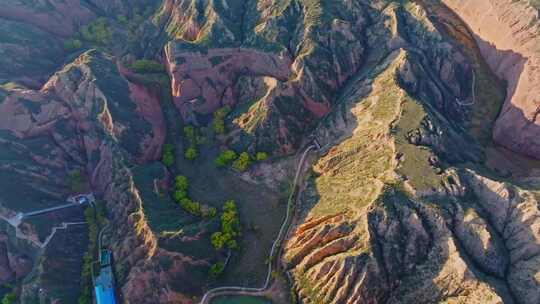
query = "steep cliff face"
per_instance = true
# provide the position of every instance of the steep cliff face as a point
(507, 33)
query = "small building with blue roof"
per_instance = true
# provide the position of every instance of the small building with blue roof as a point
(104, 282)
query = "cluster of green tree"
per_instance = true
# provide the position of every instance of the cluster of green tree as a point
(10, 298)
(218, 123)
(180, 195)
(72, 44)
(95, 218)
(216, 269)
(239, 162)
(194, 139)
(97, 32)
(225, 158)
(144, 66)
(230, 228)
(242, 162)
(167, 157)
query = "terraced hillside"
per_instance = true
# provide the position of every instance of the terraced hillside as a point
(188, 120)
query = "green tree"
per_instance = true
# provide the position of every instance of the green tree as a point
(230, 228)
(229, 205)
(97, 31)
(195, 208)
(185, 202)
(9, 298)
(261, 156)
(189, 133)
(216, 269)
(167, 157)
(225, 158)
(230, 223)
(181, 183)
(191, 206)
(218, 123)
(212, 212)
(178, 195)
(144, 66)
(232, 244)
(218, 126)
(242, 162)
(217, 240)
(71, 45)
(191, 153)
(122, 19)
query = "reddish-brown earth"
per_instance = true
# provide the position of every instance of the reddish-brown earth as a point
(202, 86)
(508, 35)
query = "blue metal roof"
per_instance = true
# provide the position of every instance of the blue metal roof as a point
(104, 282)
(104, 286)
(104, 294)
